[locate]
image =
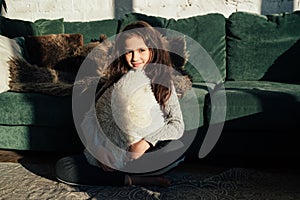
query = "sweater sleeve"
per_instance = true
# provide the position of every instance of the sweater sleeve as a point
(174, 125)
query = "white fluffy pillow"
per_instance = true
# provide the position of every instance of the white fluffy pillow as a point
(8, 48)
(134, 107)
(128, 111)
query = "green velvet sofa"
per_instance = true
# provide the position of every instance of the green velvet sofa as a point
(254, 102)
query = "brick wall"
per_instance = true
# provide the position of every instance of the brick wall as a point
(87, 10)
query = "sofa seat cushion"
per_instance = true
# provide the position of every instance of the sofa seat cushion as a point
(35, 109)
(259, 105)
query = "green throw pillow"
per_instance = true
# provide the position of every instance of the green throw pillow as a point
(209, 32)
(50, 26)
(263, 47)
(92, 29)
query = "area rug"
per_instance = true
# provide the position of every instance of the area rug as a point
(30, 182)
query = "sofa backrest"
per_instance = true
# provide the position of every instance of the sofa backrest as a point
(245, 46)
(263, 47)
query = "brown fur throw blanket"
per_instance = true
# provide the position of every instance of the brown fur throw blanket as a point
(52, 69)
(56, 75)
(49, 50)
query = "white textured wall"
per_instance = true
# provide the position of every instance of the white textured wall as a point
(87, 10)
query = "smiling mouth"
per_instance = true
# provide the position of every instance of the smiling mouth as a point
(136, 64)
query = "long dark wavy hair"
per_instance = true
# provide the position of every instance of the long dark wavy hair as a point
(159, 65)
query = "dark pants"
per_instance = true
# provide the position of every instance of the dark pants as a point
(76, 170)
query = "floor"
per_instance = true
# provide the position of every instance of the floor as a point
(214, 179)
(51, 158)
(212, 166)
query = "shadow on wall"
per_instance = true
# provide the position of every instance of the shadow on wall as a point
(122, 7)
(276, 6)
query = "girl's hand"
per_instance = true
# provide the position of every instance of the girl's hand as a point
(138, 149)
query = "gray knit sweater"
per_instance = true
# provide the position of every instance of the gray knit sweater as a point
(174, 126)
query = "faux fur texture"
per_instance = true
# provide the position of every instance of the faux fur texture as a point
(31, 78)
(26, 77)
(58, 70)
(134, 107)
(49, 50)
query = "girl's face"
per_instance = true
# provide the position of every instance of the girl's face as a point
(137, 53)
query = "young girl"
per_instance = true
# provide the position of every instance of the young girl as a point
(138, 47)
